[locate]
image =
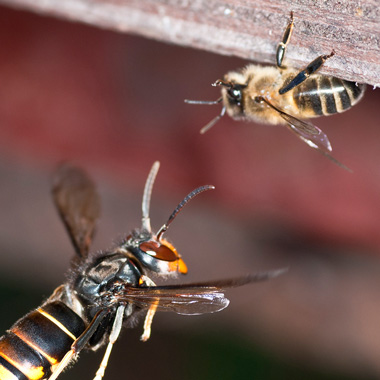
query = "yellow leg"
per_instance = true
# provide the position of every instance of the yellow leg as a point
(148, 322)
(150, 314)
(61, 366)
(117, 325)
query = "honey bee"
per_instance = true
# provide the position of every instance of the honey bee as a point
(284, 95)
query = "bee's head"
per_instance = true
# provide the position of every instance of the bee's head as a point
(152, 251)
(232, 94)
(233, 86)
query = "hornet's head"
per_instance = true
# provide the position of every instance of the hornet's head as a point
(151, 250)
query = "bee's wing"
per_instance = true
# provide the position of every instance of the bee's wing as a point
(78, 204)
(189, 299)
(312, 136)
(308, 132)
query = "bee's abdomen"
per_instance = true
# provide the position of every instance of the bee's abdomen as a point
(38, 341)
(322, 95)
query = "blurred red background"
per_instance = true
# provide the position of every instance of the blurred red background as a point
(113, 103)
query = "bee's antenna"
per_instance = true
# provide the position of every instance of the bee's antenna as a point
(213, 121)
(219, 82)
(204, 102)
(210, 102)
(146, 197)
(188, 197)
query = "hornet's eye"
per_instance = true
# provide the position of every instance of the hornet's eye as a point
(163, 250)
(159, 251)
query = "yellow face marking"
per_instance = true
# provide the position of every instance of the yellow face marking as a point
(178, 265)
(32, 373)
(6, 374)
(57, 323)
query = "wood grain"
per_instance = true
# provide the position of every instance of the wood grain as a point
(248, 29)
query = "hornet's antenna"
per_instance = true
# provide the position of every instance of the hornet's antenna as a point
(147, 195)
(188, 197)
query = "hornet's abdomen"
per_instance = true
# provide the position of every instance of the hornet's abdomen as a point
(323, 95)
(38, 341)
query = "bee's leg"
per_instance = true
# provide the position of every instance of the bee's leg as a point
(116, 327)
(150, 314)
(79, 343)
(280, 53)
(311, 68)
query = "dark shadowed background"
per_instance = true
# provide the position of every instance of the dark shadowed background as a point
(113, 104)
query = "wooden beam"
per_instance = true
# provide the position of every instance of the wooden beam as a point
(248, 29)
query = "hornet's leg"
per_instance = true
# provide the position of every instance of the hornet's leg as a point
(148, 322)
(150, 314)
(116, 327)
(79, 343)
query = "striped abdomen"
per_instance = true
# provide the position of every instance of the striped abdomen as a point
(38, 342)
(323, 95)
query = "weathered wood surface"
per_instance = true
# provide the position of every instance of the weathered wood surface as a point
(248, 29)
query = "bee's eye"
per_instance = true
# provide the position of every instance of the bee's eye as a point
(236, 93)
